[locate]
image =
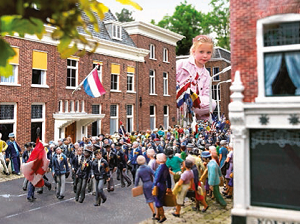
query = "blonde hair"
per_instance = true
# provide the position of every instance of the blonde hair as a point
(201, 39)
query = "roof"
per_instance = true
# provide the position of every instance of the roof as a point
(103, 29)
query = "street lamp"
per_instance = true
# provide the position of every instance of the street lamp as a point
(229, 80)
(210, 85)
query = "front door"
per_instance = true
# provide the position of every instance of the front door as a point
(70, 131)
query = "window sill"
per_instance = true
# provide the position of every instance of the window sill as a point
(277, 99)
(166, 62)
(115, 91)
(40, 86)
(153, 94)
(154, 59)
(70, 87)
(167, 95)
(130, 92)
(9, 84)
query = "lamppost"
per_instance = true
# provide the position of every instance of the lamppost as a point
(229, 80)
(210, 85)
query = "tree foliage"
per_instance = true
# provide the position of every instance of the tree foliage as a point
(219, 20)
(125, 16)
(189, 22)
(20, 17)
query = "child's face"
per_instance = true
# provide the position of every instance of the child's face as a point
(202, 54)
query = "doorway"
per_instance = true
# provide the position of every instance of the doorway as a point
(70, 131)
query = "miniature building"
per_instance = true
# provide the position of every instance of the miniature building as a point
(39, 94)
(264, 112)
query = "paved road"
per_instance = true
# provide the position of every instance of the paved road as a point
(120, 207)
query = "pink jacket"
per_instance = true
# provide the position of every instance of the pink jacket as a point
(186, 69)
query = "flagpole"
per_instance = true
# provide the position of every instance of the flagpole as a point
(96, 67)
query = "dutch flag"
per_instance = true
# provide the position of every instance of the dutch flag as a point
(92, 85)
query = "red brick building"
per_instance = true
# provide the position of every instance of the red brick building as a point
(139, 86)
(264, 112)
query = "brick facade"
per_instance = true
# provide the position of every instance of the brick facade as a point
(24, 94)
(243, 17)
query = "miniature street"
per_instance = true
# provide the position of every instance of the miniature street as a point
(16, 209)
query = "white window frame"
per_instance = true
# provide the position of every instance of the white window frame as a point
(99, 70)
(166, 84)
(152, 52)
(166, 116)
(216, 78)
(66, 106)
(129, 117)
(60, 106)
(11, 121)
(153, 116)
(152, 84)
(40, 119)
(72, 107)
(130, 74)
(116, 31)
(76, 74)
(82, 106)
(114, 117)
(118, 82)
(99, 124)
(77, 106)
(280, 18)
(15, 74)
(214, 90)
(166, 55)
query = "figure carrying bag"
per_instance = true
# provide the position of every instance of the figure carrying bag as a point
(137, 191)
(170, 200)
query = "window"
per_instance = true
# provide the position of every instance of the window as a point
(66, 106)
(60, 106)
(152, 117)
(82, 106)
(215, 71)
(166, 55)
(96, 126)
(152, 51)
(72, 106)
(209, 70)
(8, 114)
(152, 81)
(37, 121)
(99, 69)
(113, 119)
(166, 117)
(130, 79)
(278, 57)
(214, 92)
(39, 68)
(72, 70)
(77, 106)
(165, 78)
(13, 79)
(129, 118)
(115, 73)
(116, 31)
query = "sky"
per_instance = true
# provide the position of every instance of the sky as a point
(155, 9)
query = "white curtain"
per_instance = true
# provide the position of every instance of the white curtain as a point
(292, 60)
(272, 66)
(10, 79)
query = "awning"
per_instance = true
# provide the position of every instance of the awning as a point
(65, 119)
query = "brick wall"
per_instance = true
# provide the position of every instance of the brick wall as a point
(243, 17)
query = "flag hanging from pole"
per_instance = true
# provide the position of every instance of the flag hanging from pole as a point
(92, 85)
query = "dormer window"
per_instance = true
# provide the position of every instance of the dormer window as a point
(116, 31)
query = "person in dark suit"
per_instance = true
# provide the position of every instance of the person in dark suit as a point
(100, 171)
(13, 153)
(121, 165)
(111, 158)
(133, 153)
(83, 174)
(60, 171)
(25, 157)
(76, 164)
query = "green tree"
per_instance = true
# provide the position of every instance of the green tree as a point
(20, 17)
(187, 21)
(219, 20)
(125, 16)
